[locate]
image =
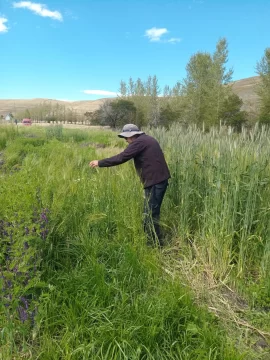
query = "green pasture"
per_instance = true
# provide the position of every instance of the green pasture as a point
(78, 280)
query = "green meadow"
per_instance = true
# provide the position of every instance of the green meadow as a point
(77, 279)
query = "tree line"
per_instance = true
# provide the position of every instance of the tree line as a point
(204, 97)
(51, 112)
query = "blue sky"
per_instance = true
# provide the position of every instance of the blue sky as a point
(81, 50)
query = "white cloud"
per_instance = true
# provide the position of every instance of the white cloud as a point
(174, 40)
(155, 34)
(100, 92)
(39, 9)
(3, 27)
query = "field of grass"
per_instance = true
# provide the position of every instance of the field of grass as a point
(78, 281)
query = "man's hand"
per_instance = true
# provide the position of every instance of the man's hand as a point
(93, 163)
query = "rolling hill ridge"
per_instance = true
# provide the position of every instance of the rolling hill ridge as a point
(244, 88)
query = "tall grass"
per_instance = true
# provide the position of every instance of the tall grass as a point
(7, 132)
(97, 291)
(220, 188)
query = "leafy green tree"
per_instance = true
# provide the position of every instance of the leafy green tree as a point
(155, 89)
(221, 76)
(140, 119)
(230, 112)
(115, 113)
(124, 111)
(220, 58)
(123, 88)
(145, 97)
(263, 88)
(154, 111)
(167, 91)
(139, 88)
(131, 87)
(177, 89)
(168, 116)
(94, 117)
(148, 86)
(197, 88)
(204, 87)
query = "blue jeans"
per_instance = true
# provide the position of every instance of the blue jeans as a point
(152, 203)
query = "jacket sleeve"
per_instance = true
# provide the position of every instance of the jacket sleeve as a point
(130, 152)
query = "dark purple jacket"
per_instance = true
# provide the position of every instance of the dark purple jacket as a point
(148, 158)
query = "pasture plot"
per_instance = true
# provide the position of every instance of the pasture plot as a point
(85, 286)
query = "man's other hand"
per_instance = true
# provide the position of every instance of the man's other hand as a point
(93, 163)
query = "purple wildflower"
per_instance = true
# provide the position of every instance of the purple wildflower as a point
(22, 313)
(24, 301)
(44, 234)
(43, 217)
(15, 269)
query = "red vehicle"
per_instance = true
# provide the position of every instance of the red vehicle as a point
(27, 122)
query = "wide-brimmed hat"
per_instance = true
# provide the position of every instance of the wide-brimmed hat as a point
(130, 130)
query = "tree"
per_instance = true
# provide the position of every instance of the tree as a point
(167, 116)
(205, 87)
(197, 87)
(145, 98)
(154, 112)
(230, 112)
(263, 88)
(94, 117)
(115, 113)
(220, 58)
(131, 87)
(123, 88)
(140, 120)
(139, 88)
(167, 91)
(221, 76)
(27, 114)
(124, 111)
(177, 89)
(148, 86)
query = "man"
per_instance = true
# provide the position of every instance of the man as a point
(152, 169)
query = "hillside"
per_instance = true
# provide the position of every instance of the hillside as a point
(16, 105)
(243, 88)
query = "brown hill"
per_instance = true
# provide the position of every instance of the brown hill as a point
(18, 105)
(243, 88)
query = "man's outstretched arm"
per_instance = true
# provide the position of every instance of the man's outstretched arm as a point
(132, 150)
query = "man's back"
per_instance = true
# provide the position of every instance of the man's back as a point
(150, 163)
(148, 158)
